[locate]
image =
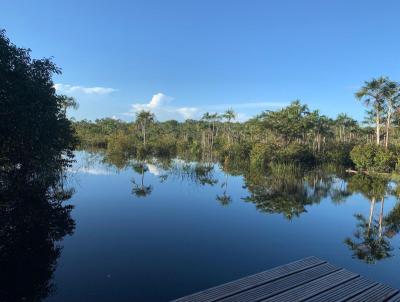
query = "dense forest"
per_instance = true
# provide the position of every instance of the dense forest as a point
(293, 134)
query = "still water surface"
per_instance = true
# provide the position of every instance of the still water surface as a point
(151, 231)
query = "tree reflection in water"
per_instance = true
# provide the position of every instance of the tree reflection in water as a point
(198, 173)
(33, 219)
(224, 198)
(287, 189)
(371, 240)
(139, 189)
(369, 243)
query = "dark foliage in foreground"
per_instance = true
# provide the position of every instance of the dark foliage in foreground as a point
(36, 145)
(34, 129)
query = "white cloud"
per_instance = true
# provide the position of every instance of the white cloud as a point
(158, 100)
(66, 88)
(188, 112)
(159, 106)
(242, 117)
(92, 170)
(153, 169)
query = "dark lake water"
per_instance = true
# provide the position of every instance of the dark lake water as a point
(153, 231)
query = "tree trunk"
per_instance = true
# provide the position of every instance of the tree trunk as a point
(378, 129)
(212, 137)
(144, 135)
(387, 129)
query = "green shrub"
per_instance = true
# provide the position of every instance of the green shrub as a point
(338, 154)
(164, 148)
(294, 153)
(263, 154)
(120, 143)
(373, 158)
(258, 155)
(238, 151)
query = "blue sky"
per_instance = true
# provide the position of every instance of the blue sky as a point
(181, 58)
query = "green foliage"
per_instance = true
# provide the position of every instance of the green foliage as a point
(165, 147)
(383, 96)
(258, 155)
(282, 169)
(373, 158)
(291, 134)
(236, 151)
(372, 187)
(34, 129)
(287, 124)
(36, 144)
(286, 189)
(294, 153)
(338, 154)
(368, 244)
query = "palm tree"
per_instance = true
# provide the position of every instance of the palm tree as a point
(392, 97)
(345, 124)
(211, 119)
(229, 115)
(373, 93)
(67, 102)
(144, 118)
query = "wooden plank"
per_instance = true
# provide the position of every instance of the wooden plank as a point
(313, 288)
(395, 298)
(345, 291)
(276, 287)
(246, 283)
(377, 293)
(310, 279)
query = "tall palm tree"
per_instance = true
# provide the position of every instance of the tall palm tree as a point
(392, 97)
(373, 94)
(345, 125)
(212, 119)
(229, 115)
(144, 118)
(67, 102)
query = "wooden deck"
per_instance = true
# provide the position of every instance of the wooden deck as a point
(309, 279)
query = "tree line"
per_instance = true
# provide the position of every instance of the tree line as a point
(292, 134)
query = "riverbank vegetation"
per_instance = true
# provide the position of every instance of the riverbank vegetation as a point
(293, 134)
